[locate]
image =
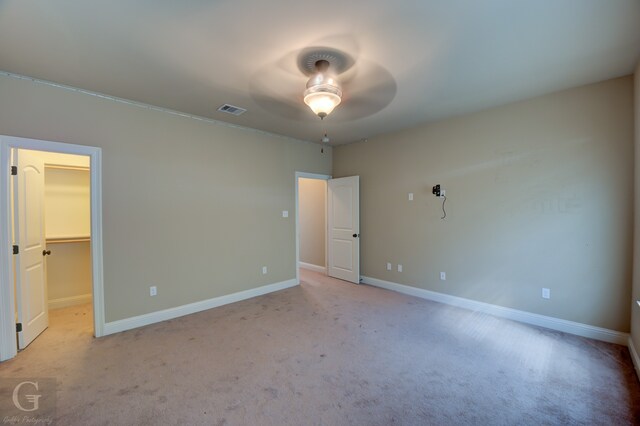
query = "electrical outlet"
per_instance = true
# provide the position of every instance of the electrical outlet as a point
(388, 266)
(443, 276)
(546, 293)
(443, 192)
(153, 290)
(411, 196)
(285, 213)
(264, 270)
(399, 267)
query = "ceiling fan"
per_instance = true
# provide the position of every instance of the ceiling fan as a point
(333, 77)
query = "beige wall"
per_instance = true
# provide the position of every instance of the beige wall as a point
(190, 206)
(635, 309)
(539, 195)
(312, 194)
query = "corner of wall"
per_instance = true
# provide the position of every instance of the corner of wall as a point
(635, 291)
(634, 356)
(634, 339)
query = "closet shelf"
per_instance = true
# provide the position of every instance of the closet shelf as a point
(78, 239)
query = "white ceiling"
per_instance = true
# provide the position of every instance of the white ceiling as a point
(422, 60)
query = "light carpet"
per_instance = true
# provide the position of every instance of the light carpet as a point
(330, 353)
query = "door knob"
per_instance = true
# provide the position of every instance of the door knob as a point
(46, 252)
(356, 235)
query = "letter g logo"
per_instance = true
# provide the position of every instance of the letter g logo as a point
(31, 398)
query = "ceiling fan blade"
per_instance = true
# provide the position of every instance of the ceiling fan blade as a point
(369, 89)
(279, 103)
(278, 86)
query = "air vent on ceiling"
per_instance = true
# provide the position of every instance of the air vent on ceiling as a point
(230, 109)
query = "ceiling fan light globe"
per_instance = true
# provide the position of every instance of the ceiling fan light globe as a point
(322, 103)
(322, 98)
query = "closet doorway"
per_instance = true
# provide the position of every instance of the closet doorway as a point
(53, 227)
(311, 222)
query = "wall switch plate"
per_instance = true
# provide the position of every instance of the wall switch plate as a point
(285, 213)
(153, 290)
(399, 267)
(443, 276)
(546, 293)
(411, 196)
(264, 269)
(388, 266)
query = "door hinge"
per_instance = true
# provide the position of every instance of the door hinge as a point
(14, 170)
(18, 327)
(16, 250)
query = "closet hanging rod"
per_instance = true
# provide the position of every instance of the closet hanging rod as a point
(57, 166)
(68, 240)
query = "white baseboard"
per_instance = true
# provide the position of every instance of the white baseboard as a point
(64, 302)
(191, 308)
(634, 356)
(565, 326)
(312, 267)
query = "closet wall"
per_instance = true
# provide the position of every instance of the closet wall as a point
(312, 194)
(68, 229)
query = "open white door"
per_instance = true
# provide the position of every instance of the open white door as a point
(344, 228)
(31, 285)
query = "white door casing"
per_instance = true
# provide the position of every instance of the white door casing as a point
(344, 228)
(31, 285)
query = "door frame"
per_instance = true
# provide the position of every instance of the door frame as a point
(8, 344)
(297, 178)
